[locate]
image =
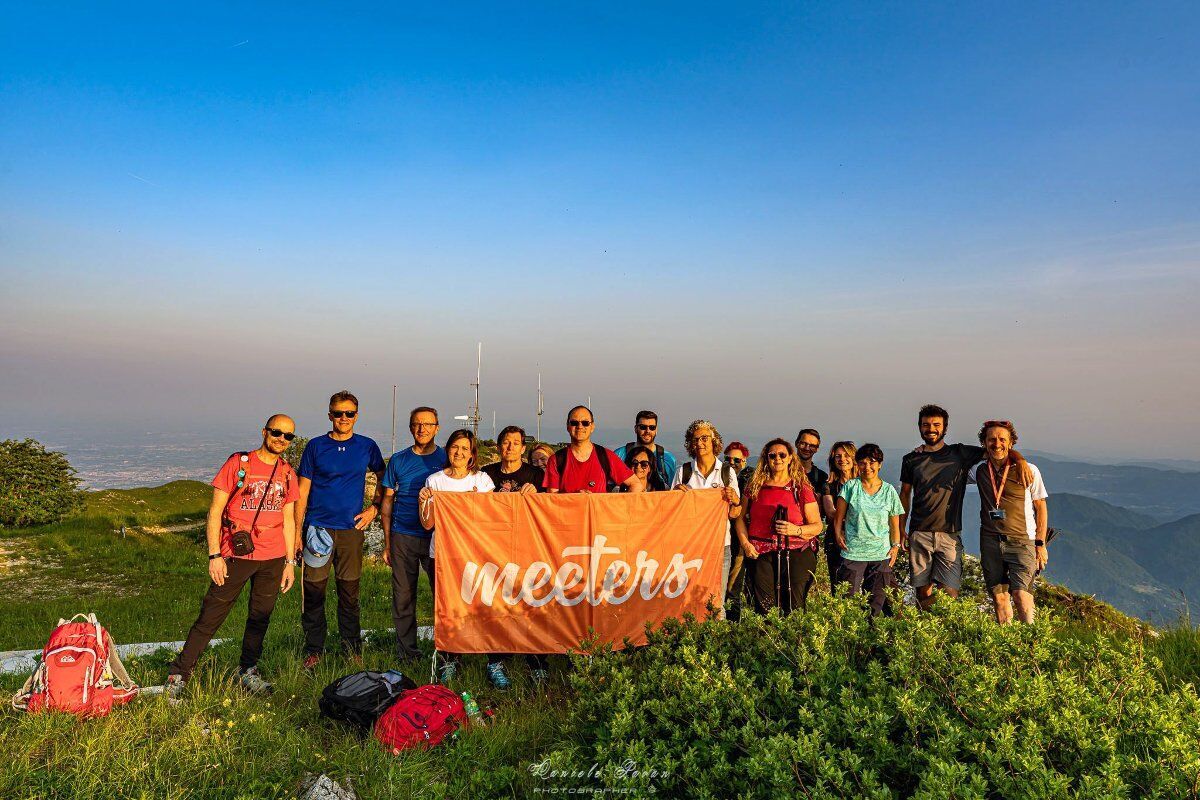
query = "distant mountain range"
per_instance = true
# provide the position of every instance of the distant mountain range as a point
(1140, 566)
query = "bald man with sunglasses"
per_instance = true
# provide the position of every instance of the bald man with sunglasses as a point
(585, 467)
(251, 538)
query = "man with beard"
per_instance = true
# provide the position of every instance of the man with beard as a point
(933, 483)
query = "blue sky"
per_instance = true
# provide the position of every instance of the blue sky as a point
(771, 215)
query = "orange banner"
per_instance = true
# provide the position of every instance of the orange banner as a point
(537, 573)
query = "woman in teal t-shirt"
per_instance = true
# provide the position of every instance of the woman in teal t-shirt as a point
(867, 526)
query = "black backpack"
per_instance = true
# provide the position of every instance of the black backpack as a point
(360, 698)
(560, 461)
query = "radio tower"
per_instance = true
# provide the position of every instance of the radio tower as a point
(540, 408)
(474, 415)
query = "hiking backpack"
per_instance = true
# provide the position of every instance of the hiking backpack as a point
(422, 717)
(360, 698)
(80, 672)
(727, 475)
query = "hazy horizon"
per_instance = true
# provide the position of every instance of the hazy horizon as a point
(772, 217)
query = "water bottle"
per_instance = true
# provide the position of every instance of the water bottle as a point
(472, 709)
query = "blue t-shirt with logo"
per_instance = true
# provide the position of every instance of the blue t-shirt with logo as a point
(338, 471)
(406, 474)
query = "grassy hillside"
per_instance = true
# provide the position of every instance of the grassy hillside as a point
(177, 501)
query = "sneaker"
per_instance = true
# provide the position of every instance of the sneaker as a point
(310, 661)
(498, 676)
(540, 676)
(447, 672)
(254, 683)
(173, 688)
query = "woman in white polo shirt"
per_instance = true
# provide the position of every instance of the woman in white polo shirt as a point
(706, 471)
(461, 474)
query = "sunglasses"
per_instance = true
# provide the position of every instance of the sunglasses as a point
(579, 423)
(647, 427)
(736, 460)
(778, 456)
(807, 446)
(278, 434)
(346, 414)
(641, 464)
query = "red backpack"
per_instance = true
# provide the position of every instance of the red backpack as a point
(80, 672)
(422, 717)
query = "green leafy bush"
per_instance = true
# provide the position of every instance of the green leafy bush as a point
(37, 486)
(295, 451)
(830, 703)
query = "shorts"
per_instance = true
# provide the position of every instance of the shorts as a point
(936, 557)
(1005, 561)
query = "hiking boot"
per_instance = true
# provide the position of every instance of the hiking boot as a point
(498, 676)
(310, 661)
(173, 687)
(539, 675)
(447, 672)
(254, 683)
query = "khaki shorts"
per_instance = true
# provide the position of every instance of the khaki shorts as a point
(1005, 561)
(936, 557)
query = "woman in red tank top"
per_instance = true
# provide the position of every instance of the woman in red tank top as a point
(778, 530)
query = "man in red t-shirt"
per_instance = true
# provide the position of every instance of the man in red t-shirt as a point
(253, 505)
(577, 467)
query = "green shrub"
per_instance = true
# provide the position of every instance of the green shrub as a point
(37, 486)
(830, 703)
(295, 451)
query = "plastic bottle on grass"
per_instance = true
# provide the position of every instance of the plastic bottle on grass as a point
(472, 709)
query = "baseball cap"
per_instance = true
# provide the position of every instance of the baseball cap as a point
(318, 546)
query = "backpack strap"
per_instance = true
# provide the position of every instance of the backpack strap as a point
(36, 682)
(123, 686)
(560, 462)
(602, 454)
(686, 478)
(727, 476)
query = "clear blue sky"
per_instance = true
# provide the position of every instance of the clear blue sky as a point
(212, 213)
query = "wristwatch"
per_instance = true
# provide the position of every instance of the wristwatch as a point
(1038, 543)
(214, 556)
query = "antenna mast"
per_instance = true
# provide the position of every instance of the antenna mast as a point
(540, 408)
(474, 417)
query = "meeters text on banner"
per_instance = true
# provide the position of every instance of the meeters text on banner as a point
(539, 573)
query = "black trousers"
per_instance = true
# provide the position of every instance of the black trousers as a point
(346, 563)
(833, 559)
(264, 577)
(873, 578)
(798, 567)
(409, 555)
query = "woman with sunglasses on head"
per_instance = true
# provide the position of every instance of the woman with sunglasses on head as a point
(867, 527)
(461, 474)
(841, 470)
(639, 459)
(779, 528)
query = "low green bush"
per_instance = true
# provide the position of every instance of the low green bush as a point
(830, 703)
(37, 486)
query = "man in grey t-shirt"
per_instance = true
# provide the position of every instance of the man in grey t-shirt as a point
(933, 483)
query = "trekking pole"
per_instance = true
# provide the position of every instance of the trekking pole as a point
(780, 514)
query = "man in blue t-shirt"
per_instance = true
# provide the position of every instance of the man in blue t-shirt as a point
(333, 477)
(405, 541)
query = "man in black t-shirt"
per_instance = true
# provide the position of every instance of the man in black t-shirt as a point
(808, 442)
(933, 483)
(511, 473)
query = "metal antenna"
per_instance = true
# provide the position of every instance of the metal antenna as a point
(540, 408)
(474, 413)
(393, 417)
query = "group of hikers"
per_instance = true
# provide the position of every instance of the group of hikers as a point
(266, 519)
